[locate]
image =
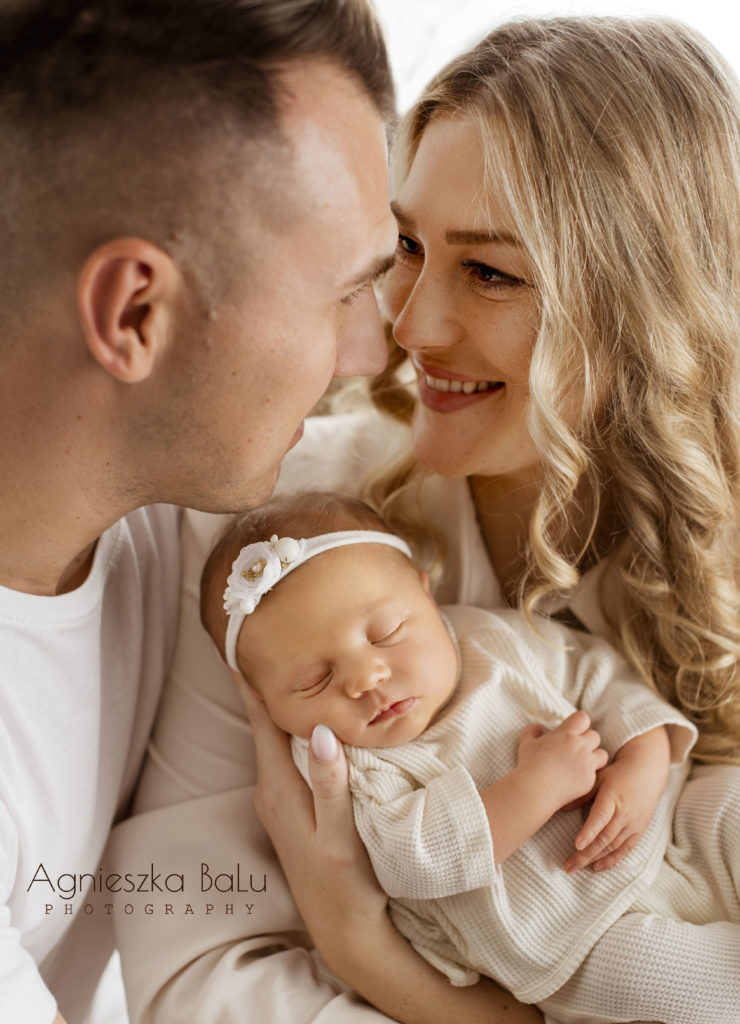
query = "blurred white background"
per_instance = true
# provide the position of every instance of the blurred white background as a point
(425, 34)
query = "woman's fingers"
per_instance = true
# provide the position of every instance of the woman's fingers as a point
(281, 794)
(327, 769)
(268, 738)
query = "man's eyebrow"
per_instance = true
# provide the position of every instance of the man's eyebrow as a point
(453, 237)
(371, 274)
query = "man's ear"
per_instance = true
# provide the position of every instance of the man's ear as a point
(125, 294)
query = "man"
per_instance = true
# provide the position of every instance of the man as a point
(194, 206)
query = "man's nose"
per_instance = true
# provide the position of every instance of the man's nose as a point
(362, 349)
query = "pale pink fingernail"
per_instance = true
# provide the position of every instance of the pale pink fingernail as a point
(324, 744)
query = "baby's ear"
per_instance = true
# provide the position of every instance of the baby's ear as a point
(244, 684)
(424, 577)
(255, 694)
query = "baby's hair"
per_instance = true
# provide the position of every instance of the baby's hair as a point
(299, 515)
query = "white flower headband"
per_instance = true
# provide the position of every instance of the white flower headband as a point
(258, 567)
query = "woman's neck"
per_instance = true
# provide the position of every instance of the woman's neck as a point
(504, 507)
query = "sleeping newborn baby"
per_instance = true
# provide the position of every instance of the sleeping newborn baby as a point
(467, 736)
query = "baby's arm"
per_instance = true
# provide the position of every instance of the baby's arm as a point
(627, 793)
(446, 837)
(553, 769)
(643, 733)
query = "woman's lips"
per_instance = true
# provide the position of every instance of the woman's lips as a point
(400, 707)
(436, 396)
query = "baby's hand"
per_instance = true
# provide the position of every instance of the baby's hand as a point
(627, 793)
(566, 758)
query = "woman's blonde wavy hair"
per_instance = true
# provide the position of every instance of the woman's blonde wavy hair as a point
(617, 145)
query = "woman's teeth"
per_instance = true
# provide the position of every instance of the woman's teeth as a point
(467, 387)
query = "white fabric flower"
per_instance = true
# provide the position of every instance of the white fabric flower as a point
(256, 570)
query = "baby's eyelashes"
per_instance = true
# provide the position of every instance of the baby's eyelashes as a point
(314, 685)
(388, 634)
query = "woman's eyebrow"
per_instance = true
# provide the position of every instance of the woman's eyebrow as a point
(403, 219)
(460, 237)
(480, 237)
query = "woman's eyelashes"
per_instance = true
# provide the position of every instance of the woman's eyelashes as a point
(485, 277)
(479, 276)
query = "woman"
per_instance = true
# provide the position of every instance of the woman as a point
(565, 291)
(568, 199)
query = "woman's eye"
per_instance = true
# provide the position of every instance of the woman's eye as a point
(407, 247)
(485, 277)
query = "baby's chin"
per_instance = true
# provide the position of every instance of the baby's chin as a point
(367, 739)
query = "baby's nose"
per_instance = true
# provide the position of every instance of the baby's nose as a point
(365, 676)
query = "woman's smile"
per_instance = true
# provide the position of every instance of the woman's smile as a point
(446, 391)
(469, 334)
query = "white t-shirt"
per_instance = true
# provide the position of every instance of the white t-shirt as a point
(80, 676)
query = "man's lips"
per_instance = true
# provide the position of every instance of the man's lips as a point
(399, 707)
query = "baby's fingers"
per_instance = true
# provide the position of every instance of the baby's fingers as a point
(602, 847)
(596, 824)
(623, 844)
(598, 833)
(533, 731)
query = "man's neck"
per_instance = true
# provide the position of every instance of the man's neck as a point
(39, 565)
(61, 463)
(48, 524)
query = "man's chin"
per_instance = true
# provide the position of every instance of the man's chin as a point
(297, 435)
(251, 491)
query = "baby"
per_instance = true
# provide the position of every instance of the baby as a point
(466, 736)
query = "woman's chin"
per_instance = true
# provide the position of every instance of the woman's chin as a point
(440, 461)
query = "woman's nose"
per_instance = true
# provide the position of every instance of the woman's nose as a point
(426, 318)
(365, 674)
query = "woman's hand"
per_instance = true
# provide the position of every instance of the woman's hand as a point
(314, 835)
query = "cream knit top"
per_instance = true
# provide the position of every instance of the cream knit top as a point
(526, 923)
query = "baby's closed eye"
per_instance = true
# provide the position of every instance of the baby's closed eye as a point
(388, 633)
(314, 683)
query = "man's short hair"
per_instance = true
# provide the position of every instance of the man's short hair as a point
(131, 117)
(60, 56)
